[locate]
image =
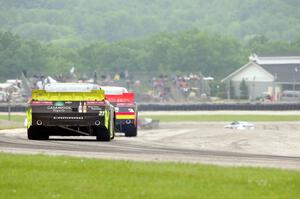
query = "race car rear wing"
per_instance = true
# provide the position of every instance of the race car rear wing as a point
(121, 98)
(93, 95)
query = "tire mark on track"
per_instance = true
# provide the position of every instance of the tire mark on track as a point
(127, 148)
(133, 148)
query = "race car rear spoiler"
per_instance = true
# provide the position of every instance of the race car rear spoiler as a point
(121, 98)
(93, 95)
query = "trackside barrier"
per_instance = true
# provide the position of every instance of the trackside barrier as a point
(19, 107)
(188, 107)
(216, 107)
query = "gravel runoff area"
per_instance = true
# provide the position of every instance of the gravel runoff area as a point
(272, 138)
(205, 142)
(269, 138)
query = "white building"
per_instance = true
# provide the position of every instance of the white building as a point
(266, 76)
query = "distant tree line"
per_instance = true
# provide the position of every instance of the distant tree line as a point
(75, 22)
(165, 53)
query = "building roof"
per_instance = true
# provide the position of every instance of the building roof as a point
(240, 70)
(274, 60)
(284, 73)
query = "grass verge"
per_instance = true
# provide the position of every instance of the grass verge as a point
(14, 118)
(19, 119)
(25, 176)
(16, 121)
(12, 126)
(216, 118)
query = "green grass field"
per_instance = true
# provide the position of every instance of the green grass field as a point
(16, 121)
(200, 118)
(215, 118)
(25, 176)
(16, 118)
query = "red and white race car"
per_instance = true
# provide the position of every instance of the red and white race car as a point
(125, 108)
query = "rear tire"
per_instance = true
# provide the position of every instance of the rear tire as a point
(112, 128)
(31, 133)
(37, 133)
(102, 134)
(130, 131)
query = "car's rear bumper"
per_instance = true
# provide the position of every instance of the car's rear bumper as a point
(67, 119)
(122, 124)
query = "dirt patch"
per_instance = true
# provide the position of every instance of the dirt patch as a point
(272, 138)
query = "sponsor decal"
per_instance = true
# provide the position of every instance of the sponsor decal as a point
(80, 107)
(68, 118)
(122, 117)
(125, 104)
(59, 104)
(101, 113)
(124, 110)
(59, 108)
(84, 107)
(95, 108)
(41, 103)
(95, 103)
(128, 115)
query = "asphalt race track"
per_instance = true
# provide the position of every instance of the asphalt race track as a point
(198, 143)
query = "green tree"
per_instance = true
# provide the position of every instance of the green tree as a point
(121, 20)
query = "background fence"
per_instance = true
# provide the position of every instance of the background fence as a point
(216, 107)
(187, 107)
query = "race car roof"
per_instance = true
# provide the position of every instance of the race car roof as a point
(114, 90)
(71, 87)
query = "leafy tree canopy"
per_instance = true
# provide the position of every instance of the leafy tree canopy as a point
(165, 53)
(93, 20)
